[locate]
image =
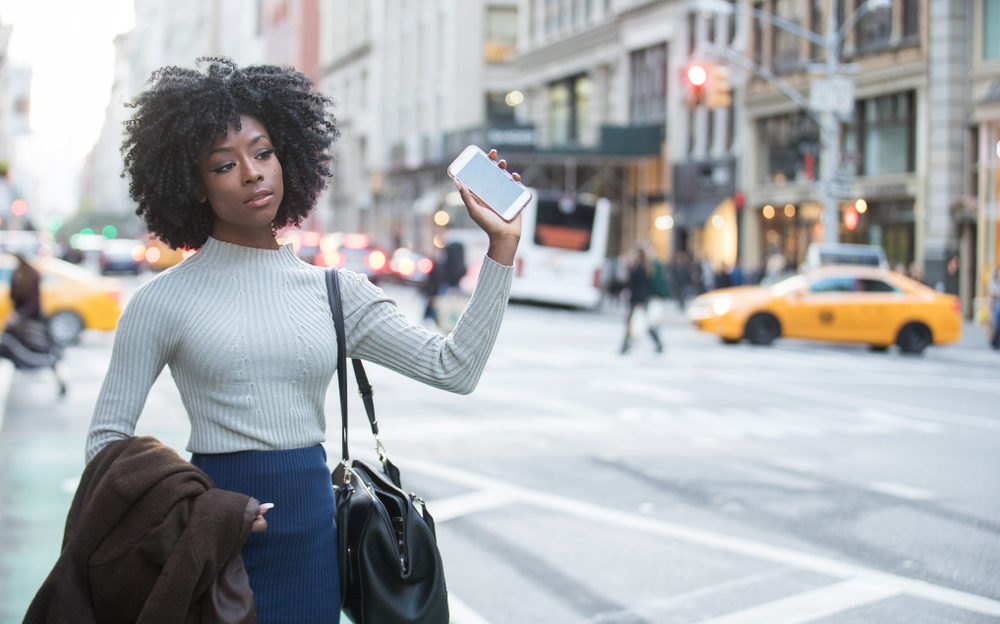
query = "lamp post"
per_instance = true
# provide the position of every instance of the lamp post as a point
(829, 97)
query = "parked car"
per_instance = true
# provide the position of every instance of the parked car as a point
(841, 303)
(410, 267)
(122, 255)
(73, 298)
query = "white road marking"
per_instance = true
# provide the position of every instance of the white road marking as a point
(811, 605)
(462, 613)
(900, 490)
(464, 504)
(709, 539)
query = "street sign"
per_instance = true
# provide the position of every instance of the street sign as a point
(834, 95)
(839, 188)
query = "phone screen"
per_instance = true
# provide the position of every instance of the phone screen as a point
(489, 182)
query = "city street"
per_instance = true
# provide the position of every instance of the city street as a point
(802, 482)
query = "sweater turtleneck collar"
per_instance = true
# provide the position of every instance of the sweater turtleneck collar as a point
(231, 254)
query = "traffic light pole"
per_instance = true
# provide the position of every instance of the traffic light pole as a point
(822, 109)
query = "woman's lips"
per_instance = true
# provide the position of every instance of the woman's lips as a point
(259, 200)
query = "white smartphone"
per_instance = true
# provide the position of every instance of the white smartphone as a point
(491, 184)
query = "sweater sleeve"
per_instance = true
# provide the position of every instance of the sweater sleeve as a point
(377, 331)
(138, 356)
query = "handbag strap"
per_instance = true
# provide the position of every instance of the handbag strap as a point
(364, 386)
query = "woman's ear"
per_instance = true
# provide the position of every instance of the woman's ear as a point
(200, 194)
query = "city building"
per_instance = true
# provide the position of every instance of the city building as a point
(980, 212)
(922, 77)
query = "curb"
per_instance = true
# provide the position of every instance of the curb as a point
(6, 380)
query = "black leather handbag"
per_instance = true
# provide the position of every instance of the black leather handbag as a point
(390, 568)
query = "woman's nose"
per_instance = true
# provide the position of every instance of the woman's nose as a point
(252, 173)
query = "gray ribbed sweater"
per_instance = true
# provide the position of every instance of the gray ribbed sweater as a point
(249, 339)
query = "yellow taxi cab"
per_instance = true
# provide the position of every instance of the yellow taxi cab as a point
(861, 304)
(73, 298)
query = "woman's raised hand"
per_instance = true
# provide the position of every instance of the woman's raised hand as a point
(503, 235)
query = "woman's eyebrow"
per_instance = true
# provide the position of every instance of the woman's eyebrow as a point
(226, 148)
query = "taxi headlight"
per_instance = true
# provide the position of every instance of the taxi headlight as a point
(722, 305)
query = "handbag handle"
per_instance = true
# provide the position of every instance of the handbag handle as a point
(364, 386)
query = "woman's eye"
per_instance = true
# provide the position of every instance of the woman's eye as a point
(265, 154)
(224, 168)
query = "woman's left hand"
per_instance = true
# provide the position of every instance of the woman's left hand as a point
(504, 235)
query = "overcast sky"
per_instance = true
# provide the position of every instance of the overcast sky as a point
(69, 46)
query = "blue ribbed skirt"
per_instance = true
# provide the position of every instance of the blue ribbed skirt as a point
(293, 564)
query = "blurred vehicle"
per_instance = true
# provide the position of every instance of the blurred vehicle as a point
(307, 244)
(859, 304)
(825, 254)
(410, 267)
(563, 247)
(160, 256)
(122, 255)
(73, 298)
(24, 242)
(85, 249)
(354, 252)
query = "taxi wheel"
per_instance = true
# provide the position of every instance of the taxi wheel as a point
(913, 338)
(762, 329)
(65, 327)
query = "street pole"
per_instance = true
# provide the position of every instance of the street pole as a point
(830, 133)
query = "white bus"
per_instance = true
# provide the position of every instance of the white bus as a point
(564, 242)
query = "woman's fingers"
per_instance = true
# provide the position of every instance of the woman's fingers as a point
(259, 523)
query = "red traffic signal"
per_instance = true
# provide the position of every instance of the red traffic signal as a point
(697, 75)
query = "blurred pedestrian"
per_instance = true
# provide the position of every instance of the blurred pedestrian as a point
(445, 277)
(26, 340)
(680, 278)
(639, 292)
(994, 293)
(219, 158)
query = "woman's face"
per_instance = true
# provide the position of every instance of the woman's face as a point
(240, 178)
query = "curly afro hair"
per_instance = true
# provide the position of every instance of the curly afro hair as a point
(184, 110)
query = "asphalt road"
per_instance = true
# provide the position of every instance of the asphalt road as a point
(796, 483)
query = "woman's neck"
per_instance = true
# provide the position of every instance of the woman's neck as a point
(259, 239)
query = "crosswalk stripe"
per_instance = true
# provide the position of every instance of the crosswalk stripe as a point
(811, 605)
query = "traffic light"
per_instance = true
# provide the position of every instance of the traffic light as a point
(719, 91)
(696, 76)
(708, 84)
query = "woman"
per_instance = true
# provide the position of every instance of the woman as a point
(219, 161)
(639, 291)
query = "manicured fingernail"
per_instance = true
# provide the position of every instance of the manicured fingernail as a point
(266, 506)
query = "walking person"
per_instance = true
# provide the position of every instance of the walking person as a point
(219, 159)
(639, 292)
(25, 340)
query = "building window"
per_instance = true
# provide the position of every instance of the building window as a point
(498, 112)
(991, 30)
(788, 146)
(569, 110)
(883, 134)
(911, 21)
(648, 88)
(785, 54)
(757, 26)
(501, 34)
(874, 30)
